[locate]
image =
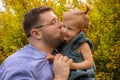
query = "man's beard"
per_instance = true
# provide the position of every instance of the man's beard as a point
(53, 41)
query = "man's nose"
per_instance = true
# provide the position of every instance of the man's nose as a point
(60, 24)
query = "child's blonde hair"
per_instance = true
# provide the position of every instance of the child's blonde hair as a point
(80, 16)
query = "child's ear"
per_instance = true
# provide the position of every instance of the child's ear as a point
(85, 30)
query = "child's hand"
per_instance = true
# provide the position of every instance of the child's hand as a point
(50, 57)
(72, 66)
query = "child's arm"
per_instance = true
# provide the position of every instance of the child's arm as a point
(88, 62)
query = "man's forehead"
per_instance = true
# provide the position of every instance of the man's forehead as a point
(48, 16)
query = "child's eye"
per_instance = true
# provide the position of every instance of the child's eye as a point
(70, 28)
(63, 26)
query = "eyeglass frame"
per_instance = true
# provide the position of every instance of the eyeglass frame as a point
(44, 25)
(51, 23)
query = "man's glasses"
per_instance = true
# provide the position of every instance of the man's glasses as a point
(52, 23)
(55, 23)
(44, 25)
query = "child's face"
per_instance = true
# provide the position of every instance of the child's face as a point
(69, 30)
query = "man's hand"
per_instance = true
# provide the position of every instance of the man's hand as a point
(61, 67)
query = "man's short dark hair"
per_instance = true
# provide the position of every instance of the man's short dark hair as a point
(32, 17)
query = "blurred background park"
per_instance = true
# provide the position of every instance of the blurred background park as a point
(104, 30)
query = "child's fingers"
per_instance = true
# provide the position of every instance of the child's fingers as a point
(70, 61)
(50, 57)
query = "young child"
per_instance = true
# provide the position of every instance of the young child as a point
(77, 46)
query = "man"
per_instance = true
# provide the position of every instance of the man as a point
(42, 29)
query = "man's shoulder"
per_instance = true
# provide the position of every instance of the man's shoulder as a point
(22, 57)
(27, 57)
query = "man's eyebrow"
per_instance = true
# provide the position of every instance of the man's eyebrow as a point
(54, 19)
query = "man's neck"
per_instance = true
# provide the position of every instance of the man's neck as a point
(44, 48)
(41, 45)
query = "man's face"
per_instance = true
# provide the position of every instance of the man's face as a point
(51, 33)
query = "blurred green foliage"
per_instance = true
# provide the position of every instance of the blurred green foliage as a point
(104, 30)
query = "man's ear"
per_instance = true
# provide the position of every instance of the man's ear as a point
(36, 33)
